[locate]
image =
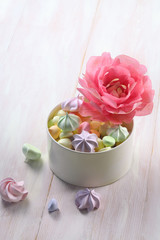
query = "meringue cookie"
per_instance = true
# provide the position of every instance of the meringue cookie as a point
(87, 199)
(100, 144)
(61, 113)
(55, 131)
(55, 119)
(95, 125)
(31, 152)
(66, 142)
(104, 149)
(103, 129)
(69, 122)
(65, 134)
(52, 205)
(85, 142)
(72, 104)
(12, 191)
(50, 123)
(108, 141)
(119, 133)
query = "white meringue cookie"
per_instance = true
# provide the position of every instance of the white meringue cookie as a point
(85, 142)
(72, 104)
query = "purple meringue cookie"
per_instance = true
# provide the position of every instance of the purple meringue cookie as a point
(85, 142)
(87, 199)
(72, 104)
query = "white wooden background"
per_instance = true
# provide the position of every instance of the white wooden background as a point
(44, 47)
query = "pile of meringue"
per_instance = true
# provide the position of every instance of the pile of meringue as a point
(82, 134)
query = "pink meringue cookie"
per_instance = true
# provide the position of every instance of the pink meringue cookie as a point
(85, 142)
(87, 199)
(72, 104)
(12, 191)
(84, 126)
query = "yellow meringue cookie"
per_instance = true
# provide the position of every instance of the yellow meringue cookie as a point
(66, 134)
(55, 119)
(55, 131)
(95, 125)
(61, 113)
(66, 142)
(100, 144)
(103, 129)
(104, 149)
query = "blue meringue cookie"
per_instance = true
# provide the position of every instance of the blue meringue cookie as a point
(52, 205)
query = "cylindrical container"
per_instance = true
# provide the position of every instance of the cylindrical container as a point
(90, 169)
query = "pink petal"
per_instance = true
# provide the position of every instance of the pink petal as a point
(144, 109)
(87, 110)
(126, 60)
(95, 62)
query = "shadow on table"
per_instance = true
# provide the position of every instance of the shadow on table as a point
(36, 165)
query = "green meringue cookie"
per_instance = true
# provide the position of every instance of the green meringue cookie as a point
(50, 123)
(104, 149)
(69, 122)
(61, 113)
(66, 142)
(65, 134)
(118, 133)
(31, 152)
(108, 141)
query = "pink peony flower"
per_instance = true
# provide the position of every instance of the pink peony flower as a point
(116, 90)
(12, 191)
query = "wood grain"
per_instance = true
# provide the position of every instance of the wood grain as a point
(40, 68)
(44, 46)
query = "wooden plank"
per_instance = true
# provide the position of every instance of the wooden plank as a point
(132, 30)
(40, 67)
(151, 212)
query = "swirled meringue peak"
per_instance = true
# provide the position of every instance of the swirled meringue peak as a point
(12, 191)
(72, 104)
(69, 122)
(119, 133)
(87, 199)
(85, 142)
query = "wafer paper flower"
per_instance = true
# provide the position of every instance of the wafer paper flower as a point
(116, 89)
(12, 191)
(87, 199)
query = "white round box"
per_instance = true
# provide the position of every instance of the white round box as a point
(90, 169)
